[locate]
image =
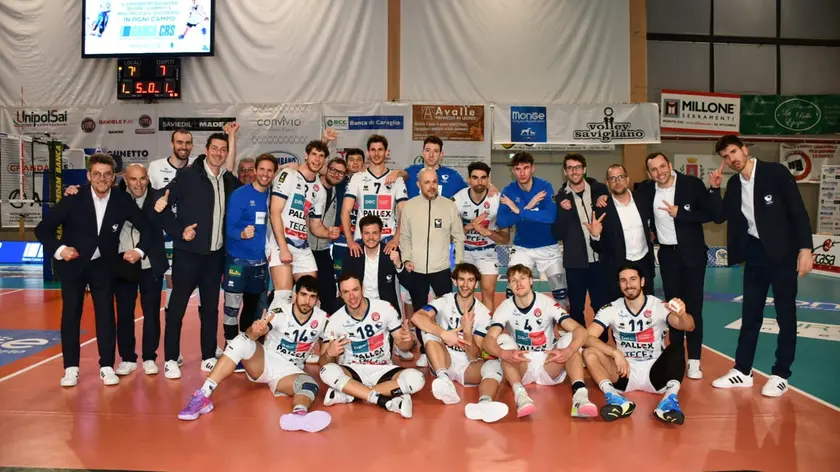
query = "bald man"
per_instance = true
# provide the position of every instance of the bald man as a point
(147, 276)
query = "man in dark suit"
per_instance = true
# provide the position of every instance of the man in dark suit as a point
(87, 255)
(575, 207)
(680, 205)
(620, 232)
(768, 230)
(199, 192)
(373, 267)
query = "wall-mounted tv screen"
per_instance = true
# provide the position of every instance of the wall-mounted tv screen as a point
(126, 28)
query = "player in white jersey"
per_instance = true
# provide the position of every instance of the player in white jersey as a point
(359, 353)
(478, 210)
(291, 331)
(374, 196)
(639, 324)
(197, 16)
(297, 205)
(453, 329)
(529, 353)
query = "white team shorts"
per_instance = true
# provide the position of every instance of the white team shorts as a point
(276, 368)
(536, 366)
(548, 260)
(487, 261)
(302, 259)
(369, 374)
(640, 377)
(460, 362)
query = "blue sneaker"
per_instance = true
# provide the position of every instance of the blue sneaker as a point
(669, 410)
(616, 407)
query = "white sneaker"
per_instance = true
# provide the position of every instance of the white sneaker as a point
(126, 368)
(444, 390)
(71, 377)
(581, 406)
(208, 364)
(694, 371)
(423, 361)
(489, 412)
(108, 376)
(334, 397)
(171, 370)
(150, 368)
(401, 405)
(734, 379)
(775, 387)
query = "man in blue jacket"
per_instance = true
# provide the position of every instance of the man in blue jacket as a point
(245, 263)
(450, 181)
(527, 204)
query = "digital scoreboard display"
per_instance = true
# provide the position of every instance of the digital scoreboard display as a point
(149, 78)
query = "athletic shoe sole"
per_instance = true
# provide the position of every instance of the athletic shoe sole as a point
(489, 412)
(194, 416)
(445, 392)
(311, 422)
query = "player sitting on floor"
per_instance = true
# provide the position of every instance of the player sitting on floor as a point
(640, 325)
(360, 333)
(534, 357)
(291, 331)
(454, 327)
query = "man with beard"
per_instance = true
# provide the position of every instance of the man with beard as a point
(336, 168)
(360, 334)
(768, 230)
(641, 360)
(290, 331)
(355, 163)
(453, 328)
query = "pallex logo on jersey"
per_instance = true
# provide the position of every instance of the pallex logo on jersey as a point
(292, 348)
(645, 336)
(300, 205)
(534, 340)
(368, 345)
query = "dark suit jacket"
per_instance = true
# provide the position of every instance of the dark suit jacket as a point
(780, 215)
(611, 244)
(695, 208)
(77, 215)
(567, 227)
(192, 194)
(387, 274)
(157, 245)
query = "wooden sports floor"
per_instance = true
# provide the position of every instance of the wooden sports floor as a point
(134, 427)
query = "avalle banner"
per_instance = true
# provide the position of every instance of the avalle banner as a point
(635, 123)
(789, 115)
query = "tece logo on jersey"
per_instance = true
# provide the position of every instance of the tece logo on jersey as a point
(53, 117)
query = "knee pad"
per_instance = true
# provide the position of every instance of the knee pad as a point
(306, 386)
(492, 370)
(239, 348)
(282, 296)
(411, 381)
(506, 342)
(333, 375)
(231, 311)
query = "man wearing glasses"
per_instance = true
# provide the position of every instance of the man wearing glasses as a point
(336, 170)
(620, 232)
(575, 211)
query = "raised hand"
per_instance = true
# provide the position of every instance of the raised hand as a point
(231, 128)
(71, 190)
(189, 232)
(716, 177)
(596, 227)
(248, 232)
(395, 258)
(336, 345)
(330, 135)
(504, 200)
(671, 209)
(162, 202)
(536, 200)
(260, 327)
(454, 338)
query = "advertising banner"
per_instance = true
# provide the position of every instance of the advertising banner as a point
(805, 160)
(826, 255)
(793, 114)
(828, 210)
(700, 112)
(577, 124)
(355, 124)
(463, 129)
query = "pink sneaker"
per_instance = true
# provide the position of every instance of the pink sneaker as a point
(311, 422)
(197, 406)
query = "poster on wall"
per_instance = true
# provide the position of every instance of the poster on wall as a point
(545, 147)
(828, 210)
(200, 120)
(826, 253)
(635, 123)
(805, 160)
(700, 112)
(355, 124)
(701, 166)
(282, 130)
(793, 114)
(463, 129)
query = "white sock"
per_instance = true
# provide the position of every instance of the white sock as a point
(607, 387)
(300, 409)
(208, 387)
(284, 296)
(442, 373)
(518, 389)
(485, 398)
(672, 387)
(168, 296)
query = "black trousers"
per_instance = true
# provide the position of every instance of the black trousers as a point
(611, 274)
(670, 365)
(150, 294)
(326, 280)
(686, 283)
(418, 287)
(580, 281)
(98, 276)
(759, 275)
(191, 270)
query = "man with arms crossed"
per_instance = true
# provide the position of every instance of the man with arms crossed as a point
(291, 331)
(454, 327)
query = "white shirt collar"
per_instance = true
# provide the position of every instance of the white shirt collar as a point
(96, 197)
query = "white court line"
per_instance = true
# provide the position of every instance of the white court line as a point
(11, 291)
(806, 394)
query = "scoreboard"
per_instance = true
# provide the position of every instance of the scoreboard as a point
(149, 78)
